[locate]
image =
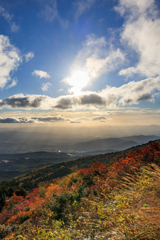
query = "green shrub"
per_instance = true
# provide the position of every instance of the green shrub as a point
(21, 192)
(60, 203)
(24, 218)
(87, 180)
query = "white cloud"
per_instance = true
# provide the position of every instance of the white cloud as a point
(82, 6)
(13, 83)
(10, 59)
(50, 12)
(132, 92)
(4, 13)
(45, 86)
(94, 59)
(96, 66)
(40, 74)
(135, 7)
(14, 27)
(141, 32)
(29, 56)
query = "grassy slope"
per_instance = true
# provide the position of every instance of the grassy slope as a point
(118, 201)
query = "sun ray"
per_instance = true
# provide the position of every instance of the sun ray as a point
(78, 81)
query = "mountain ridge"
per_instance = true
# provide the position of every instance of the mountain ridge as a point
(112, 143)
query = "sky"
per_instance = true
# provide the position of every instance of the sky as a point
(79, 63)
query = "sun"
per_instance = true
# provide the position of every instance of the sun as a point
(78, 80)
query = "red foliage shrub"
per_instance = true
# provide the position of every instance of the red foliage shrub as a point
(103, 176)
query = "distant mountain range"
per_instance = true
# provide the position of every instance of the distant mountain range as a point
(112, 144)
(59, 139)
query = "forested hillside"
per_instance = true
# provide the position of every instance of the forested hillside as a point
(103, 201)
(46, 174)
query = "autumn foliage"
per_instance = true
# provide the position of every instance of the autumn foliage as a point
(81, 204)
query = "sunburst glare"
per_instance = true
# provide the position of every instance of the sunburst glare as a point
(78, 80)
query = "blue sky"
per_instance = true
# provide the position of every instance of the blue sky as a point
(87, 62)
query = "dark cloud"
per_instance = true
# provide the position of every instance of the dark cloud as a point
(128, 101)
(64, 103)
(61, 102)
(33, 119)
(130, 93)
(15, 120)
(22, 102)
(92, 98)
(86, 99)
(139, 88)
(145, 97)
(99, 119)
(75, 122)
(50, 119)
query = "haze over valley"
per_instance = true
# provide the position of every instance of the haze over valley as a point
(24, 149)
(75, 139)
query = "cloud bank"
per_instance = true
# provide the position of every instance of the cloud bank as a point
(33, 119)
(128, 94)
(27, 102)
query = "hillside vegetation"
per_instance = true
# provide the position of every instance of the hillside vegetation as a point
(120, 200)
(12, 165)
(17, 164)
(48, 173)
